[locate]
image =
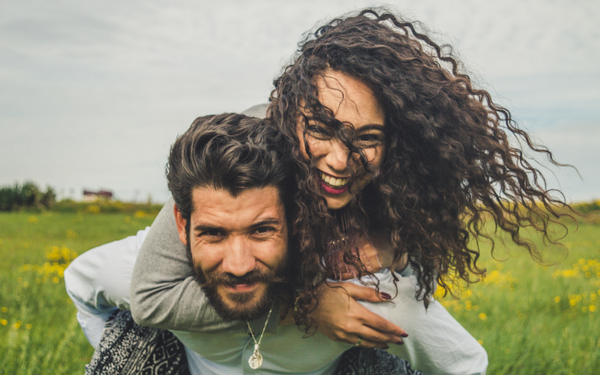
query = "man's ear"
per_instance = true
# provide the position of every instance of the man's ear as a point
(181, 223)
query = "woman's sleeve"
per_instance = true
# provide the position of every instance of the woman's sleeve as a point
(164, 290)
(437, 343)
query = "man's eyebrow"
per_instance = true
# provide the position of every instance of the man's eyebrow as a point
(269, 221)
(206, 228)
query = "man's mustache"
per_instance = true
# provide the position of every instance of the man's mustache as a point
(214, 279)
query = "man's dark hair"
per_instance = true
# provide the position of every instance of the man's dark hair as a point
(231, 152)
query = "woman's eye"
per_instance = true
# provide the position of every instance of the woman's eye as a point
(319, 131)
(369, 140)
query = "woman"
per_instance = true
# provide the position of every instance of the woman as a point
(436, 149)
(399, 160)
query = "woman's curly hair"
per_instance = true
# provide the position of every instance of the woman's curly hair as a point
(448, 164)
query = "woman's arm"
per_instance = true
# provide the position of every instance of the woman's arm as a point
(438, 344)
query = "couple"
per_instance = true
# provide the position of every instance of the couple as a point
(395, 160)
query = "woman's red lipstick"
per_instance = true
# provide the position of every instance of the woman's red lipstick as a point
(331, 189)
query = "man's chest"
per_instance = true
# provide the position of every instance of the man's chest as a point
(285, 352)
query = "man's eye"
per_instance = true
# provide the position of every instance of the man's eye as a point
(211, 233)
(262, 231)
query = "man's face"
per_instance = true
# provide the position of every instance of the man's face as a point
(239, 248)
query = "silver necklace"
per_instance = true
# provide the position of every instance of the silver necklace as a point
(256, 358)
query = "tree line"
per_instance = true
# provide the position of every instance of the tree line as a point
(26, 196)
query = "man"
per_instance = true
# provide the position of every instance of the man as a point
(231, 183)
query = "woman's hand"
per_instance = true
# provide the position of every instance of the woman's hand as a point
(341, 318)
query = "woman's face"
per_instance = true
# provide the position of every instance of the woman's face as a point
(352, 102)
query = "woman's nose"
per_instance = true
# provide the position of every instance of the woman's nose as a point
(337, 155)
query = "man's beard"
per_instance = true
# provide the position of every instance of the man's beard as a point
(243, 305)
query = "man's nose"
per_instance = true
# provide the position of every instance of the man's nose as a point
(239, 259)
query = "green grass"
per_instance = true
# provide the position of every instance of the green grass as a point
(39, 333)
(535, 319)
(524, 329)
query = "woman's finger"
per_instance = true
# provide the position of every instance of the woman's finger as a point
(369, 344)
(360, 314)
(363, 293)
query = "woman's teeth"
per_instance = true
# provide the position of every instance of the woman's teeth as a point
(334, 182)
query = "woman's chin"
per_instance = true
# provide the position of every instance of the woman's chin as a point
(335, 202)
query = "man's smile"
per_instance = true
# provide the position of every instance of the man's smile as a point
(241, 287)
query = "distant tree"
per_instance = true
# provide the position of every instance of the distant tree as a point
(29, 195)
(26, 196)
(48, 199)
(8, 198)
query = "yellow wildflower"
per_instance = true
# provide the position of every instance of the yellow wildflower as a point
(482, 316)
(93, 209)
(71, 234)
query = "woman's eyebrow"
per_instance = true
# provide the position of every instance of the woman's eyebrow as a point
(371, 127)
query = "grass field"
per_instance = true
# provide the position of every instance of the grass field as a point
(531, 319)
(39, 333)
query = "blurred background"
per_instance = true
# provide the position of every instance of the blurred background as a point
(92, 94)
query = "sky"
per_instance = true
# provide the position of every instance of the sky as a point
(93, 93)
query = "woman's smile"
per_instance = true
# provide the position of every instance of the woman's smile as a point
(333, 185)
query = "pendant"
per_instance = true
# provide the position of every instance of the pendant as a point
(256, 359)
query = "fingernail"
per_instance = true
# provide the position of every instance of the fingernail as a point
(404, 335)
(384, 295)
(400, 342)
